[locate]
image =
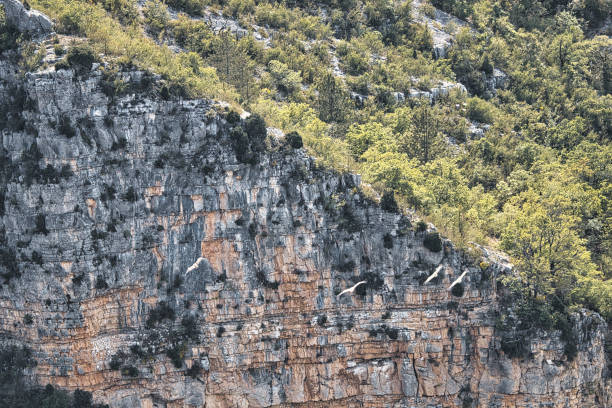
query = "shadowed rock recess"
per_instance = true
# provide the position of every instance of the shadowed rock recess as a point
(144, 263)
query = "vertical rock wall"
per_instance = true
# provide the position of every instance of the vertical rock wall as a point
(159, 271)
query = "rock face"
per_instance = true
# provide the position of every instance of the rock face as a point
(27, 21)
(159, 271)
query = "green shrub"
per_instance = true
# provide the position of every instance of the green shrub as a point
(480, 111)
(37, 258)
(58, 49)
(388, 203)
(159, 313)
(137, 350)
(190, 324)
(101, 283)
(8, 260)
(421, 226)
(388, 241)
(129, 371)
(515, 347)
(130, 195)
(41, 225)
(175, 354)
(261, 277)
(126, 11)
(81, 399)
(458, 290)
(194, 7)
(433, 242)
(255, 127)
(486, 66)
(240, 143)
(80, 57)
(195, 370)
(116, 361)
(294, 140)
(156, 15)
(121, 143)
(28, 319)
(8, 33)
(233, 118)
(65, 127)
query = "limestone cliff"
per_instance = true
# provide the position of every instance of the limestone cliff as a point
(154, 269)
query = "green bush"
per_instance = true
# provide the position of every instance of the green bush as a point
(65, 127)
(190, 324)
(101, 283)
(8, 34)
(348, 221)
(81, 399)
(41, 225)
(126, 11)
(515, 347)
(479, 110)
(261, 277)
(129, 371)
(161, 312)
(255, 127)
(486, 66)
(433, 242)
(121, 143)
(80, 58)
(233, 118)
(195, 7)
(240, 143)
(58, 49)
(195, 370)
(130, 195)
(294, 140)
(156, 15)
(421, 226)
(388, 241)
(458, 290)
(37, 258)
(175, 354)
(116, 361)
(8, 261)
(388, 203)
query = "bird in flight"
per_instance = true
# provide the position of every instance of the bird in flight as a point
(196, 265)
(351, 289)
(434, 275)
(458, 280)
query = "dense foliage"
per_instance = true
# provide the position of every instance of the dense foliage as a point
(16, 392)
(535, 181)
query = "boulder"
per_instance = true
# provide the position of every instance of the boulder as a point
(31, 22)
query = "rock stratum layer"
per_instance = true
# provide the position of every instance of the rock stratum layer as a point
(156, 270)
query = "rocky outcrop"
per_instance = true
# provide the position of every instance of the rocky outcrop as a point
(441, 25)
(153, 268)
(440, 90)
(27, 21)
